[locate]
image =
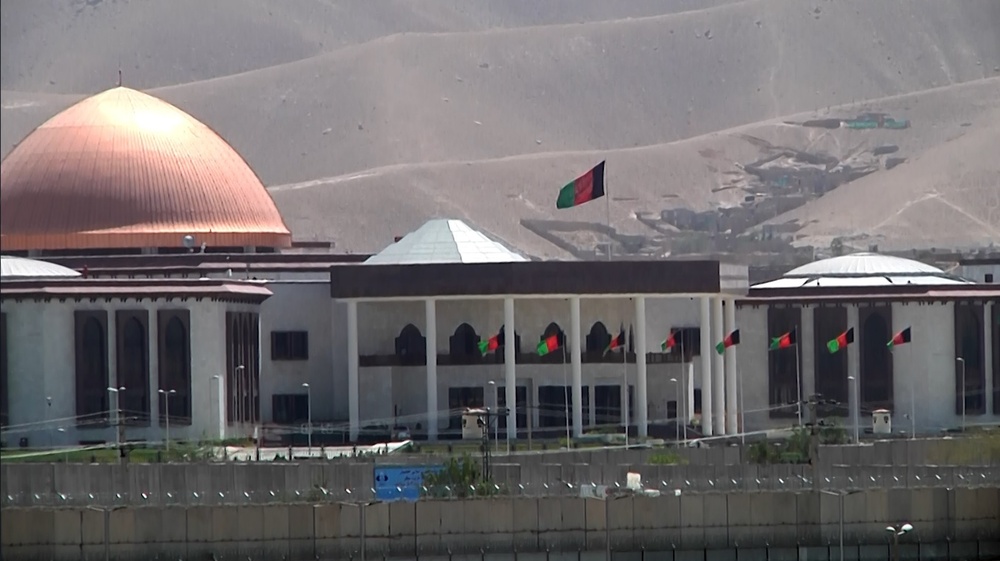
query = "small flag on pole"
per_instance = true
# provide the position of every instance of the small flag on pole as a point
(841, 341)
(730, 340)
(548, 344)
(783, 341)
(669, 343)
(901, 338)
(617, 342)
(489, 345)
(583, 189)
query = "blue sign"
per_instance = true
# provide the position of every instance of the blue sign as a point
(393, 483)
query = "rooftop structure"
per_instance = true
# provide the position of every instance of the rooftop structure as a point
(868, 270)
(445, 241)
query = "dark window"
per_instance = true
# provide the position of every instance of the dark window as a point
(687, 341)
(560, 355)
(995, 335)
(289, 345)
(243, 367)
(3, 371)
(133, 366)
(672, 409)
(784, 365)
(460, 399)
(696, 398)
(876, 358)
(175, 366)
(502, 335)
(411, 346)
(553, 402)
(521, 413)
(91, 367)
(831, 369)
(464, 343)
(969, 347)
(608, 404)
(289, 409)
(598, 339)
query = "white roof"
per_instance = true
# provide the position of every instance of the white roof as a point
(445, 241)
(21, 268)
(863, 269)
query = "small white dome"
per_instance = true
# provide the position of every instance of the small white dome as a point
(862, 270)
(20, 268)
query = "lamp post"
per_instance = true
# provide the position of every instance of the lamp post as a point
(855, 411)
(166, 410)
(116, 396)
(677, 411)
(961, 361)
(309, 415)
(496, 420)
(362, 522)
(896, 532)
(48, 412)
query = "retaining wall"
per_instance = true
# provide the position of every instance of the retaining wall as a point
(763, 525)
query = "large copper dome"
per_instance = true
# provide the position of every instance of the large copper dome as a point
(123, 169)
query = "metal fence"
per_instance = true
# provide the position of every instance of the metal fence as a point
(248, 489)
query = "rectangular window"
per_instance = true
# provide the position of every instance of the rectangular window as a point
(521, 414)
(460, 399)
(289, 345)
(290, 409)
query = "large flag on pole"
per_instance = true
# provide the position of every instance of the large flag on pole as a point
(583, 189)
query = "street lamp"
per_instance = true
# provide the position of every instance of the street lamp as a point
(496, 420)
(961, 361)
(166, 406)
(607, 518)
(48, 412)
(855, 411)
(896, 532)
(362, 522)
(677, 411)
(309, 414)
(841, 494)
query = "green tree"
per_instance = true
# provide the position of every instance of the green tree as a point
(459, 477)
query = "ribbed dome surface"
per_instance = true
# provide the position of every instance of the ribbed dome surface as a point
(20, 268)
(123, 169)
(862, 270)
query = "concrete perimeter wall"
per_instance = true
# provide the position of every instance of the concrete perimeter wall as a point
(780, 521)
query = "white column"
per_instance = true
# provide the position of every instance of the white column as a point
(642, 402)
(430, 313)
(718, 372)
(732, 407)
(353, 393)
(706, 367)
(807, 350)
(153, 366)
(575, 347)
(988, 327)
(509, 358)
(854, 369)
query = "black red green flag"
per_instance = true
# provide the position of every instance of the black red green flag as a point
(730, 340)
(489, 345)
(583, 189)
(783, 341)
(617, 342)
(669, 343)
(841, 341)
(548, 344)
(901, 338)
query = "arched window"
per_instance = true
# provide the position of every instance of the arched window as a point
(133, 367)
(554, 329)
(91, 366)
(876, 359)
(598, 339)
(175, 367)
(411, 346)
(465, 342)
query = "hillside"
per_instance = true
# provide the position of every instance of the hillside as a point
(368, 113)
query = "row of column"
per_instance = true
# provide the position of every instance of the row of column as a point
(718, 371)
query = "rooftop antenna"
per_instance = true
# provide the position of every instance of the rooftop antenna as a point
(119, 75)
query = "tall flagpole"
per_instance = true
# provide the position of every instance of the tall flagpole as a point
(798, 381)
(739, 390)
(566, 397)
(913, 398)
(607, 202)
(625, 400)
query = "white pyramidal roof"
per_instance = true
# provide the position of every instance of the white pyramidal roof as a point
(863, 269)
(21, 268)
(445, 241)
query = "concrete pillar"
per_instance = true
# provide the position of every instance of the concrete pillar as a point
(430, 313)
(807, 347)
(732, 405)
(706, 366)
(988, 327)
(509, 358)
(575, 347)
(353, 391)
(642, 402)
(854, 370)
(718, 372)
(153, 367)
(114, 398)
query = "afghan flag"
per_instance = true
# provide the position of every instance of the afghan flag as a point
(901, 338)
(730, 340)
(616, 343)
(548, 344)
(583, 189)
(783, 341)
(841, 341)
(669, 343)
(489, 345)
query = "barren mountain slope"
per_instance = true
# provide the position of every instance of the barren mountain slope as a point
(76, 46)
(949, 196)
(363, 211)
